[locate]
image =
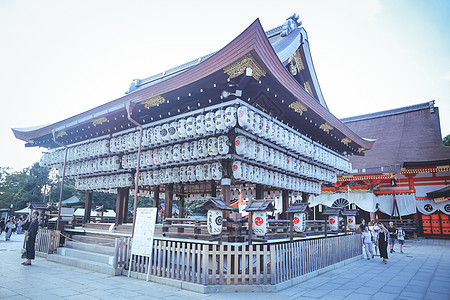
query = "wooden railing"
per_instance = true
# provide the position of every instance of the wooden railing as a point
(47, 240)
(213, 264)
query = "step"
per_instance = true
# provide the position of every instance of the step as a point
(96, 257)
(85, 264)
(95, 240)
(104, 226)
(107, 250)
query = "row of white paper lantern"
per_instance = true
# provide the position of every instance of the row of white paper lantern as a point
(185, 152)
(261, 153)
(76, 153)
(249, 173)
(87, 167)
(104, 182)
(272, 130)
(183, 174)
(184, 128)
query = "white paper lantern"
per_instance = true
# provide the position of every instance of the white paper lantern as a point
(199, 174)
(193, 148)
(200, 125)
(176, 151)
(173, 130)
(182, 133)
(299, 222)
(259, 225)
(214, 221)
(257, 127)
(259, 156)
(157, 138)
(237, 170)
(185, 151)
(216, 171)
(240, 144)
(244, 117)
(210, 124)
(230, 117)
(190, 127)
(207, 172)
(202, 146)
(213, 149)
(220, 120)
(169, 154)
(183, 174)
(351, 222)
(191, 173)
(176, 178)
(333, 222)
(155, 156)
(223, 145)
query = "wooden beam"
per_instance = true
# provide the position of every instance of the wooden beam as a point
(181, 208)
(285, 204)
(260, 191)
(125, 199)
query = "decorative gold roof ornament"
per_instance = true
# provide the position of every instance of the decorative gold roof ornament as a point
(295, 57)
(238, 67)
(298, 106)
(99, 121)
(61, 133)
(361, 149)
(308, 88)
(153, 101)
(326, 127)
(346, 141)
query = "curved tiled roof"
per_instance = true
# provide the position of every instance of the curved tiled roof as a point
(406, 134)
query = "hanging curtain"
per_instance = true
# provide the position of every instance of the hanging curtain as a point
(427, 207)
(406, 204)
(365, 201)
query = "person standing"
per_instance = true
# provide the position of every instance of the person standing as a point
(362, 226)
(31, 238)
(2, 225)
(392, 235)
(383, 237)
(376, 230)
(401, 237)
(367, 242)
(9, 228)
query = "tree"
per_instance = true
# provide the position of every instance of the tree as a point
(446, 140)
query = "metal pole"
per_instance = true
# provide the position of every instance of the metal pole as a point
(62, 180)
(136, 182)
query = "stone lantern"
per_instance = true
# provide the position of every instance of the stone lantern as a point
(351, 218)
(298, 216)
(215, 208)
(333, 217)
(257, 210)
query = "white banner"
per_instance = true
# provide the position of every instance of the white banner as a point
(428, 207)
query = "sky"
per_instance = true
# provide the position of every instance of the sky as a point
(59, 58)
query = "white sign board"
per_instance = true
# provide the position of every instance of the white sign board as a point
(144, 230)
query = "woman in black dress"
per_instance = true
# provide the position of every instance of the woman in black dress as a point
(383, 238)
(31, 238)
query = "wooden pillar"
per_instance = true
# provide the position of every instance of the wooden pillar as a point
(259, 191)
(168, 200)
(213, 189)
(156, 197)
(226, 193)
(181, 208)
(156, 203)
(305, 199)
(125, 198)
(284, 203)
(88, 207)
(119, 207)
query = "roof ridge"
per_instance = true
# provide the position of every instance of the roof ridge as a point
(137, 83)
(391, 112)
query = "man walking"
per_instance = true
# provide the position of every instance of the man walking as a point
(392, 235)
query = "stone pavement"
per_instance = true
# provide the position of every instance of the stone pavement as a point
(423, 272)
